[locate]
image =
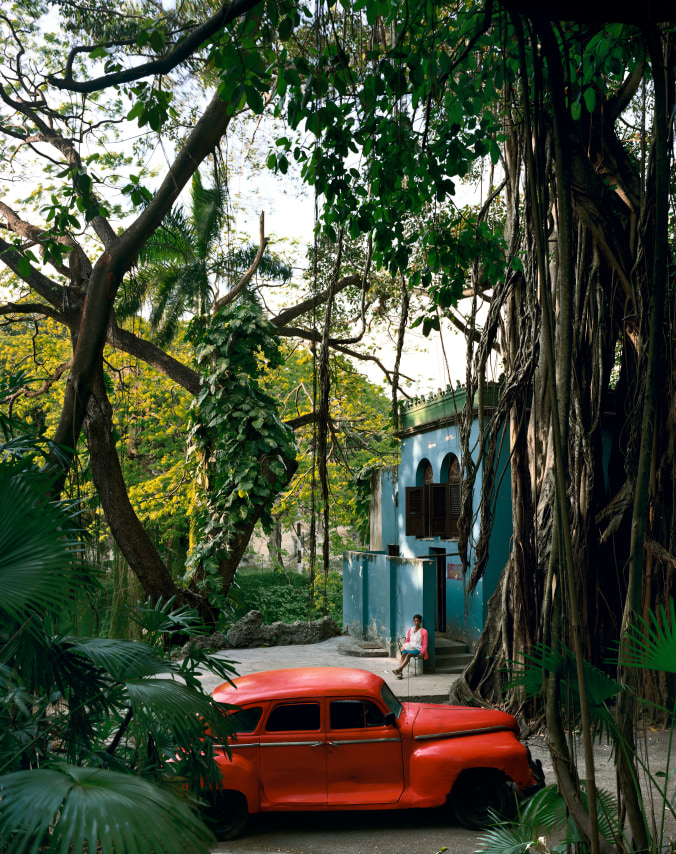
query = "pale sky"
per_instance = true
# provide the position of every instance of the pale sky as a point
(426, 361)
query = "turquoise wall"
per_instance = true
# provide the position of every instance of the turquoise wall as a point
(389, 478)
(465, 615)
(381, 594)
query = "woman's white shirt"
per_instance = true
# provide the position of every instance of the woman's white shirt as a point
(415, 638)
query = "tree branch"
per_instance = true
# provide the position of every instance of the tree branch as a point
(178, 54)
(39, 235)
(232, 294)
(33, 308)
(47, 383)
(626, 92)
(285, 317)
(111, 267)
(301, 420)
(66, 147)
(660, 552)
(311, 335)
(47, 289)
(152, 355)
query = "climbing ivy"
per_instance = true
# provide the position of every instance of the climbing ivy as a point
(237, 443)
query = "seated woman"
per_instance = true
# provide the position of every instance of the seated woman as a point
(415, 646)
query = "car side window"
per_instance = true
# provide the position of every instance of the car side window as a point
(355, 714)
(373, 715)
(292, 717)
(245, 720)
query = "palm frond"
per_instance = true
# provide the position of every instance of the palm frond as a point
(607, 811)
(542, 815)
(652, 643)
(38, 567)
(271, 267)
(161, 617)
(546, 810)
(121, 659)
(58, 810)
(164, 704)
(206, 215)
(212, 661)
(505, 839)
(529, 671)
(166, 297)
(171, 243)
(130, 298)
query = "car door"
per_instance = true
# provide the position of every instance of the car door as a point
(364, 759)
(293, 754)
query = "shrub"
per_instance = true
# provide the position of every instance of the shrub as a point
(286, 597)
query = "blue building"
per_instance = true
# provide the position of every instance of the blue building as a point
(413, 563)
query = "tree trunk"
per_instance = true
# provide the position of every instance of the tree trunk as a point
(275, 544)
(125, 526)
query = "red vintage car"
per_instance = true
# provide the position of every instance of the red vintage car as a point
(329, 738)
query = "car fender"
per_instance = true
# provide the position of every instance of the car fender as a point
(436, 763)
(242, 774)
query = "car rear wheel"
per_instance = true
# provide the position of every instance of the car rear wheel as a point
(226, 813)
(478, 796)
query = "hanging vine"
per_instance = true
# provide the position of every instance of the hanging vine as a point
(242, 452)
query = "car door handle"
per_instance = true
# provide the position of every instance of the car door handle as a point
(317, 743)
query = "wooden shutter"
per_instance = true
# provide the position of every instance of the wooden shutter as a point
(454, 498)
(415, 511)
(439, 516)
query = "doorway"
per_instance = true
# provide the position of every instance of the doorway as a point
(440, 615)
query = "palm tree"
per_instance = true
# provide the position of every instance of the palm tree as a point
(92, 730)
(181, 266)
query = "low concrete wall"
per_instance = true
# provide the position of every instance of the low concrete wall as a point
(381, 594)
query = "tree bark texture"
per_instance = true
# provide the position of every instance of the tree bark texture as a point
(607, 291)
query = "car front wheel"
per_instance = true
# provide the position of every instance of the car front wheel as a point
(478, 796)
(226, 814)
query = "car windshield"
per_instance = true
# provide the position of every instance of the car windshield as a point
(390, 700)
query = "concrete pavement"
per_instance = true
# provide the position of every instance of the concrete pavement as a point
(429, 687)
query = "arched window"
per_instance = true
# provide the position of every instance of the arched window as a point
(417, 501)
(424, 474)
(433, 509)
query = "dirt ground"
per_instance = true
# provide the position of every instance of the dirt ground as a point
(419, 831)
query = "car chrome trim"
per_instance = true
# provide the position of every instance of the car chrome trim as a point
(460, 733)
(236, 744)
(360, 741)
(292, 743)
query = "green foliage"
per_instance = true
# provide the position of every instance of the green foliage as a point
(346, 101)
(161, 619)
(362, 499)
(649, 645)
(36, 570)
(652, 643)
(530, 673)
(543, 814)
(284, 597)
(238, 444)
(178, 263)
(533, 666)
(360, 436)
(70, 807)
(89, 735)
(150, 414)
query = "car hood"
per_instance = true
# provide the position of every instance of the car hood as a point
(428, 721)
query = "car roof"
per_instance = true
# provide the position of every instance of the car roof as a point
(298, 682)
